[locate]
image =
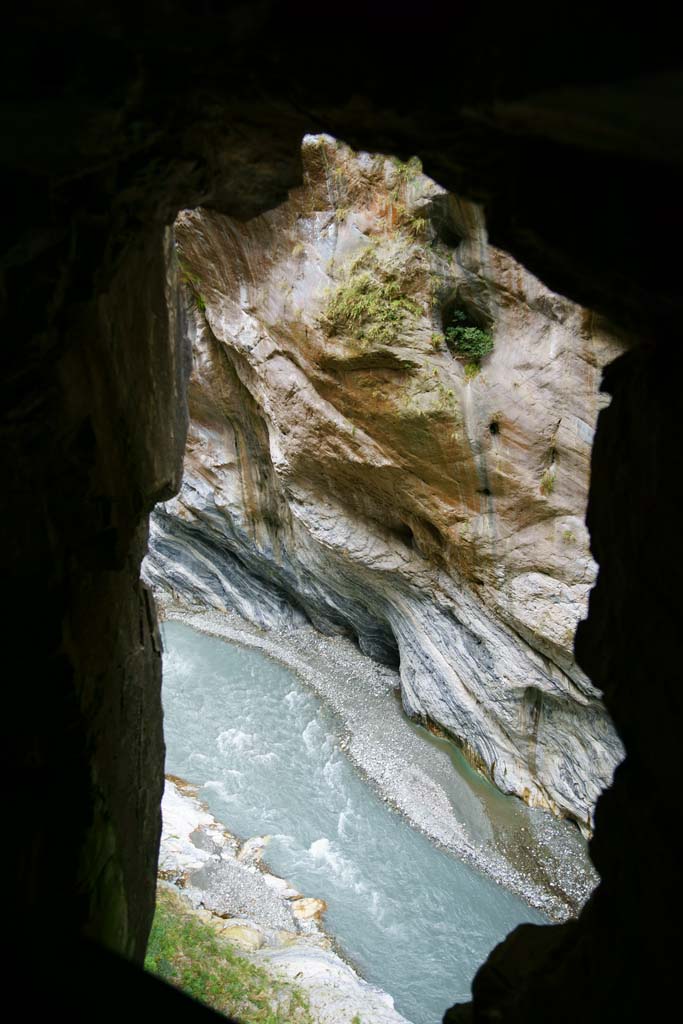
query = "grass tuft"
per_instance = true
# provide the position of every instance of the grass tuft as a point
(185, 951)
(547, 483)
(369, 303)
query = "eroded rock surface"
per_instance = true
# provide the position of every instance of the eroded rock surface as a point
(346, 464)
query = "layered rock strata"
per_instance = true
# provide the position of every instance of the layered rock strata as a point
(348, 465)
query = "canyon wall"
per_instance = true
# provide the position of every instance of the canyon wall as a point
(347, 462)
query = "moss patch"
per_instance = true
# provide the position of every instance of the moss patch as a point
(369, 302)
(186, 952)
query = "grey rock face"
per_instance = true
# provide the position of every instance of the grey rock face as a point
(367, 480)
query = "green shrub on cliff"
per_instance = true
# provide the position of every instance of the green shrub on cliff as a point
(187, 953)
(466, 339)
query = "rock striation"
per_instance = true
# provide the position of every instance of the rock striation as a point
(349, 463)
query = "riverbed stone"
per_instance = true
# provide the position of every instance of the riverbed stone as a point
(252, 850)
(282, 887)
(335, 991)
(308, 908)
(243, 936)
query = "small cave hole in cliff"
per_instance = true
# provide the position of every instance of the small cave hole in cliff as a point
(352, 352)
(403, 533)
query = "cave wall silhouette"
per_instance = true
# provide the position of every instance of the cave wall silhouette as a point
(114, 119)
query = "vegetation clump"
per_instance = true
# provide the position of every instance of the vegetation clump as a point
(187, 953)
(408, 169)
(417, 226)
(547, 483)
(468, 341)
(373, 306)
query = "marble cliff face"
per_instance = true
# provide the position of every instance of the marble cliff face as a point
(347, 464)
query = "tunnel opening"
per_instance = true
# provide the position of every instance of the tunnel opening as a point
(265, 288)
(85, 232)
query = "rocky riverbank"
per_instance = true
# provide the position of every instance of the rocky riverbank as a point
(542, 859)
(259, 914)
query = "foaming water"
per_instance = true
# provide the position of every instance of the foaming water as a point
(414, 919)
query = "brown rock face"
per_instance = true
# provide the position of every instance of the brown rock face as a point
(348, 452)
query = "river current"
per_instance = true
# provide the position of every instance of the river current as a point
(266, 754)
